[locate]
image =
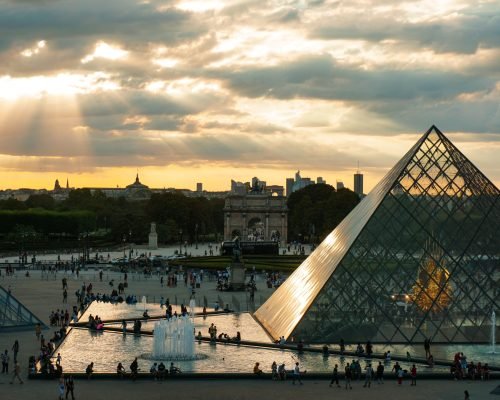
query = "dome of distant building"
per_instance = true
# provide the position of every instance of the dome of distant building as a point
(137, 190)
(137, 184)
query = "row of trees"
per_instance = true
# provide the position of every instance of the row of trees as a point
(313, 212)
(99, 218)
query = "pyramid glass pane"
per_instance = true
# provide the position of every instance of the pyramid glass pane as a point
(418, 258)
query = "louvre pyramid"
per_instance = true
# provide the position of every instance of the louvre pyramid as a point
(14, 315)
(419, 257)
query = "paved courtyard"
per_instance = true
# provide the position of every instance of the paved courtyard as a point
(43, 294)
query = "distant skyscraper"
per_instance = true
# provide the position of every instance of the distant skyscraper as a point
(289, 186)
(340, 185)
(320, 179)
(358, 183)
(199, 187)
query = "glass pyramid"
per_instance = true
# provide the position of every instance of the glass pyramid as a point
(14, 315)
(419, 257)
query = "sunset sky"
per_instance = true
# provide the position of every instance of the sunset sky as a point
(210, 90)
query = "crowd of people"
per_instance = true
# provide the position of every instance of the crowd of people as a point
(461, 369)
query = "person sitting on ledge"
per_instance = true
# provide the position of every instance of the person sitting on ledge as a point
(134, 369)
(198, 336)
(162, 371)
(174, 369)
(257, 370)
(89, 370)
(430, 361)
(145, 314)
(387, 356)
(154, 371)
(120, 370)
(237, 338)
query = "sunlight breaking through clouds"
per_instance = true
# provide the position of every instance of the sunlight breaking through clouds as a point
(275, 84)
(63, 84)
(106, 51)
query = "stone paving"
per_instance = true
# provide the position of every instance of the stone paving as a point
(41, 295)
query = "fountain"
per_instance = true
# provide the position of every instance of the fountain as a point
(493, 331)
(143, 304)
(173, 339)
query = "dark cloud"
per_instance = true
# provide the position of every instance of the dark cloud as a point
(464, 34)
(322, 78)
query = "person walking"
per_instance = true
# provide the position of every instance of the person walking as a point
(380, 373)
(60, 387)
(368, 375)
(15, 349)
(70, 386)
(413, 374)
(5, 362)
(466, 395)
(17, 372)
(348, 376)
(296, 374)
(335, 376)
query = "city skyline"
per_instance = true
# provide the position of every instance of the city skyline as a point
(193, 91)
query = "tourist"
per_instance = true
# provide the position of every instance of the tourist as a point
(430, 361)
(274, 371)
(368, 375)
(38, 331)
(348, 376)
(427, 348)
(296, 374)
(335, 376)
(400, 375)
(342, 346)
(413, 374)
(89, 370)
(256, 369)
(15, 349)
(17, 372)
(5, 362)
(369, 349)
(162, 371)
(380, 373)
(70, 386)
(466, 395)
(282, 372)
(154, 371)
(174, 370)
(120, 370)
(387, 357)
(134, 369)
(124, 326)
(396, 368)
(61, 388)
(58, 359)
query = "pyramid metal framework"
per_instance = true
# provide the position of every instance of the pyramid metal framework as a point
(14, 315)
(419, 257)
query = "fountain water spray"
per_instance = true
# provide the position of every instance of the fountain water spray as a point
(493, 331)
(143, 304)
(173, 339)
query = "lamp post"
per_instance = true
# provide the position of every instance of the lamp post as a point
(196, 236)
(180, 241)
(130, 251)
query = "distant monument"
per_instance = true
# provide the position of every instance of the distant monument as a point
(237, 281)
(153, 237)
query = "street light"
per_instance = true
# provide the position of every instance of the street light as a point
(180, 241)
(196, 236)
